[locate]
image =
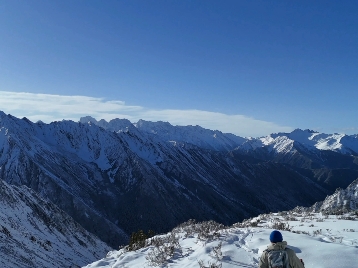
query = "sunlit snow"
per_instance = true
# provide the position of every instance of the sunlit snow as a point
(322, 241)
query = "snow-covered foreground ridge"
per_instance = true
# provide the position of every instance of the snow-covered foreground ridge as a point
(320, 240)
(324, 235)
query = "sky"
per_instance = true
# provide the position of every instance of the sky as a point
(245, 67)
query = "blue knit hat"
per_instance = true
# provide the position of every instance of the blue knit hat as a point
(275, 237)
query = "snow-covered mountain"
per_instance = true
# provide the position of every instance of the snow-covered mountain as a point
(279, 143)
(115, 178)
(343, 200)
(320, 239)
(327, 159)
(308, 139)
(35, 233)
(196, 135)
(63, 162)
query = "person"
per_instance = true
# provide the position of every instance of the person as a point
(275, 250)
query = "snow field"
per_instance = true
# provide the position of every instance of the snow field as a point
(321, 241)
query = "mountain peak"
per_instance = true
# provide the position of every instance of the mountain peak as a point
(298, 130)
(143, 123)
(115, 124)
(86, 119)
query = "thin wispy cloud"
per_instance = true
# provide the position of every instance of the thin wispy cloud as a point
(353, 130)
(48, 108)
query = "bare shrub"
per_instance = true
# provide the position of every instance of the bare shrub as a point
(217, 253)
(209, 230)
(210, 264)
(290, 218)
(282, 213)
(281, 226)
(163, 249)
(317, 232)
(206, 231)
(337, 211)
(188, 228)
(171, 238)
(247, 223)
(255, 223)
(138, 240)
(348, 218)
(160, 255)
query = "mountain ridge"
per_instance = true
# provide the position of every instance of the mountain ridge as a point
(204, 138)
(123, 179)
(342, 200)
(346, 144)
(281, 142)
(35, 233)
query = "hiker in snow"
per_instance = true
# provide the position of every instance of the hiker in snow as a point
(278, 255)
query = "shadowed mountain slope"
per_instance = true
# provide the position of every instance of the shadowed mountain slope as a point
(35, 233)
(123, 179)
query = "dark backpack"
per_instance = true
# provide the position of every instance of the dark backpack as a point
(278, 258)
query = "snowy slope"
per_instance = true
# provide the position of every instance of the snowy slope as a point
(284, 142)
(320, 240)
(341, 200)
(35, 233)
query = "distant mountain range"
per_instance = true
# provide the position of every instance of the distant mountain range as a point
(308, 139)
(196, 135)
(116, 177)
(216, 140)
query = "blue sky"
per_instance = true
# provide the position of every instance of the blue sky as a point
(246, 67)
